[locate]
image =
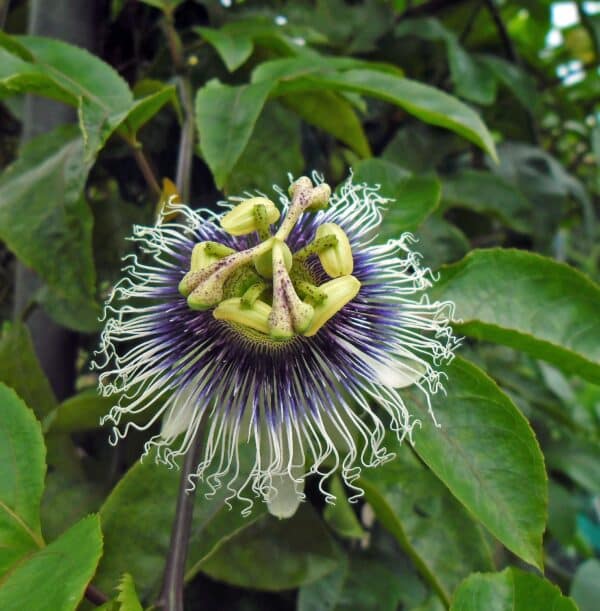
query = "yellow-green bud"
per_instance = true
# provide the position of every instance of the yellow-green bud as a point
(336, 260)
(242, 219)
(338, 293)
(264, 263)
(255, 317)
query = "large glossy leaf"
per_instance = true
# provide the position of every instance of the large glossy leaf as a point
(71, 75)
(274, 554)
(486, 453)
(423, 101)
(488, 193)
(146, 496)
(45, 221)
(432, 527)
(361, 583)
(510, 590)
(414, 198)
(225, 117)
(530, 303)
(56, 576)
(22, 455)
(20, 369)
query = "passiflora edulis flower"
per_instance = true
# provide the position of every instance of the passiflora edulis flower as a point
(286, 328)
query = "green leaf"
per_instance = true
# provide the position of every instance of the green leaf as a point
(22, 456)
(437, 533)
(55, 577)
(585, 588)
(424, 102)
(439, 241)
(21, 370)
(485, 452)
(164, 5)
(72, 75)
(233, 47)
(45, 221)
(146, 495)
(528, 302)
(414, 198)
(510, 590)
(144, 109)
(274, 554)
(488, 193)
(332, 113)
(265, 162)
(361, 583)
(80, 412)
(225, 117)
(128, 597)
(340, 515)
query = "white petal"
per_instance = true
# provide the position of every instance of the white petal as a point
(286, 495)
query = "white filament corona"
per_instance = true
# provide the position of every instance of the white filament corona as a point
(254, 440)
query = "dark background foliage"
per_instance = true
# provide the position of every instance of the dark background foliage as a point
(197, 98)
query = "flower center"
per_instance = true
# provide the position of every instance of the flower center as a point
(267, 288)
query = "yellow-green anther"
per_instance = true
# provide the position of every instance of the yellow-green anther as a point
(289, 313)
(311, 292)
(336, 260)
(253, 293)
(233, 310)
(338, 293)
(242, 219)
(316, 247)
(264, 263)
(205, 288)
(206, 253)
(262, 222)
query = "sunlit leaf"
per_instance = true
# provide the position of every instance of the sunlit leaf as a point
(56, 576)
(510, 590)
(530, 303)
(22, 456)
(485, 452)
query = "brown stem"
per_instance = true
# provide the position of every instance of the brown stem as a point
(145, 167)
(171, 596)
(183, 173)
(95, 596)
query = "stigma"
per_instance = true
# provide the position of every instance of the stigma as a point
(267, 288)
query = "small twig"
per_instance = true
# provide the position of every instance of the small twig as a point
(95, 596)
(171, 596)
(144, 166)
(183, 173)
(507, 42)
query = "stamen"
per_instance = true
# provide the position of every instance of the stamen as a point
(336, 260)
(339, 292)
(242, 219)
(234, 310)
